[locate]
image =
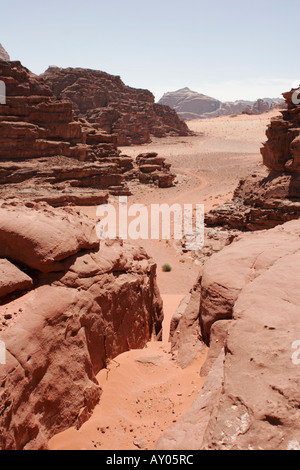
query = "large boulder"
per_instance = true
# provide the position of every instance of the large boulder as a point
(12, 279)
(41, 239)
(100, 304)
(244, 261)
(251, 399)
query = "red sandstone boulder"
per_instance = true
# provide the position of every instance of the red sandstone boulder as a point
(41, 239)
(59, 336)
(244, 260)
(251, 398)
(12, 279)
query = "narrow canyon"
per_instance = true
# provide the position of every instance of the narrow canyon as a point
(145, 344)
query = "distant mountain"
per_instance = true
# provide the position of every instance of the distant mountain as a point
(3, 54)
(192, 105)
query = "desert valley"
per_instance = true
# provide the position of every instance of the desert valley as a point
(146, 344)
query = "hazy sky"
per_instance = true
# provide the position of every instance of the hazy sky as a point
(229, 49)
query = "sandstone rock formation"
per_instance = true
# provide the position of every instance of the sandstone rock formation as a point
(12, 279)
(270, 196)
(154, 169)
(48, 155)
(192, 105)
(260, 106)
(110, 105)
(3, 54)
(251, 397)
(87, 306)
(185, 332)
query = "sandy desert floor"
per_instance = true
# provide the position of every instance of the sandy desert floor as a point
(145, 391)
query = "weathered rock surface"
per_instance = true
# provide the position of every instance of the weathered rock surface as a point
(188, 433)
(154, 169)
(42, 240)
(101, 302)
(244, 260)
(12, 279)
(47, 154)
(185, 334)
(261, 201)
(269, 196)
(251, 398)
(110, 105)
(192, 105)
(282, 150)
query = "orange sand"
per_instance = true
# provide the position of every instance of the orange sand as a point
(142, 399)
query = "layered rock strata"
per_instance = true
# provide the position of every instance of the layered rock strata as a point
(47, 154)
(110, 105)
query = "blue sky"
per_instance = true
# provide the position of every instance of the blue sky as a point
(229, 49)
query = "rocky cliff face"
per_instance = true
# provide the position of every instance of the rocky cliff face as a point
(110, 105)
(3, 54)
(67, 308)
(271, 195)
(248, 313)
(47, 154)
(192, 105)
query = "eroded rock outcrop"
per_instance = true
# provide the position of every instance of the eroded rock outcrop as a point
(49, 155)
(248, 304)
(271, 195)
(88, 304)
(110, 105)
(12, 279)
(154, 169)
